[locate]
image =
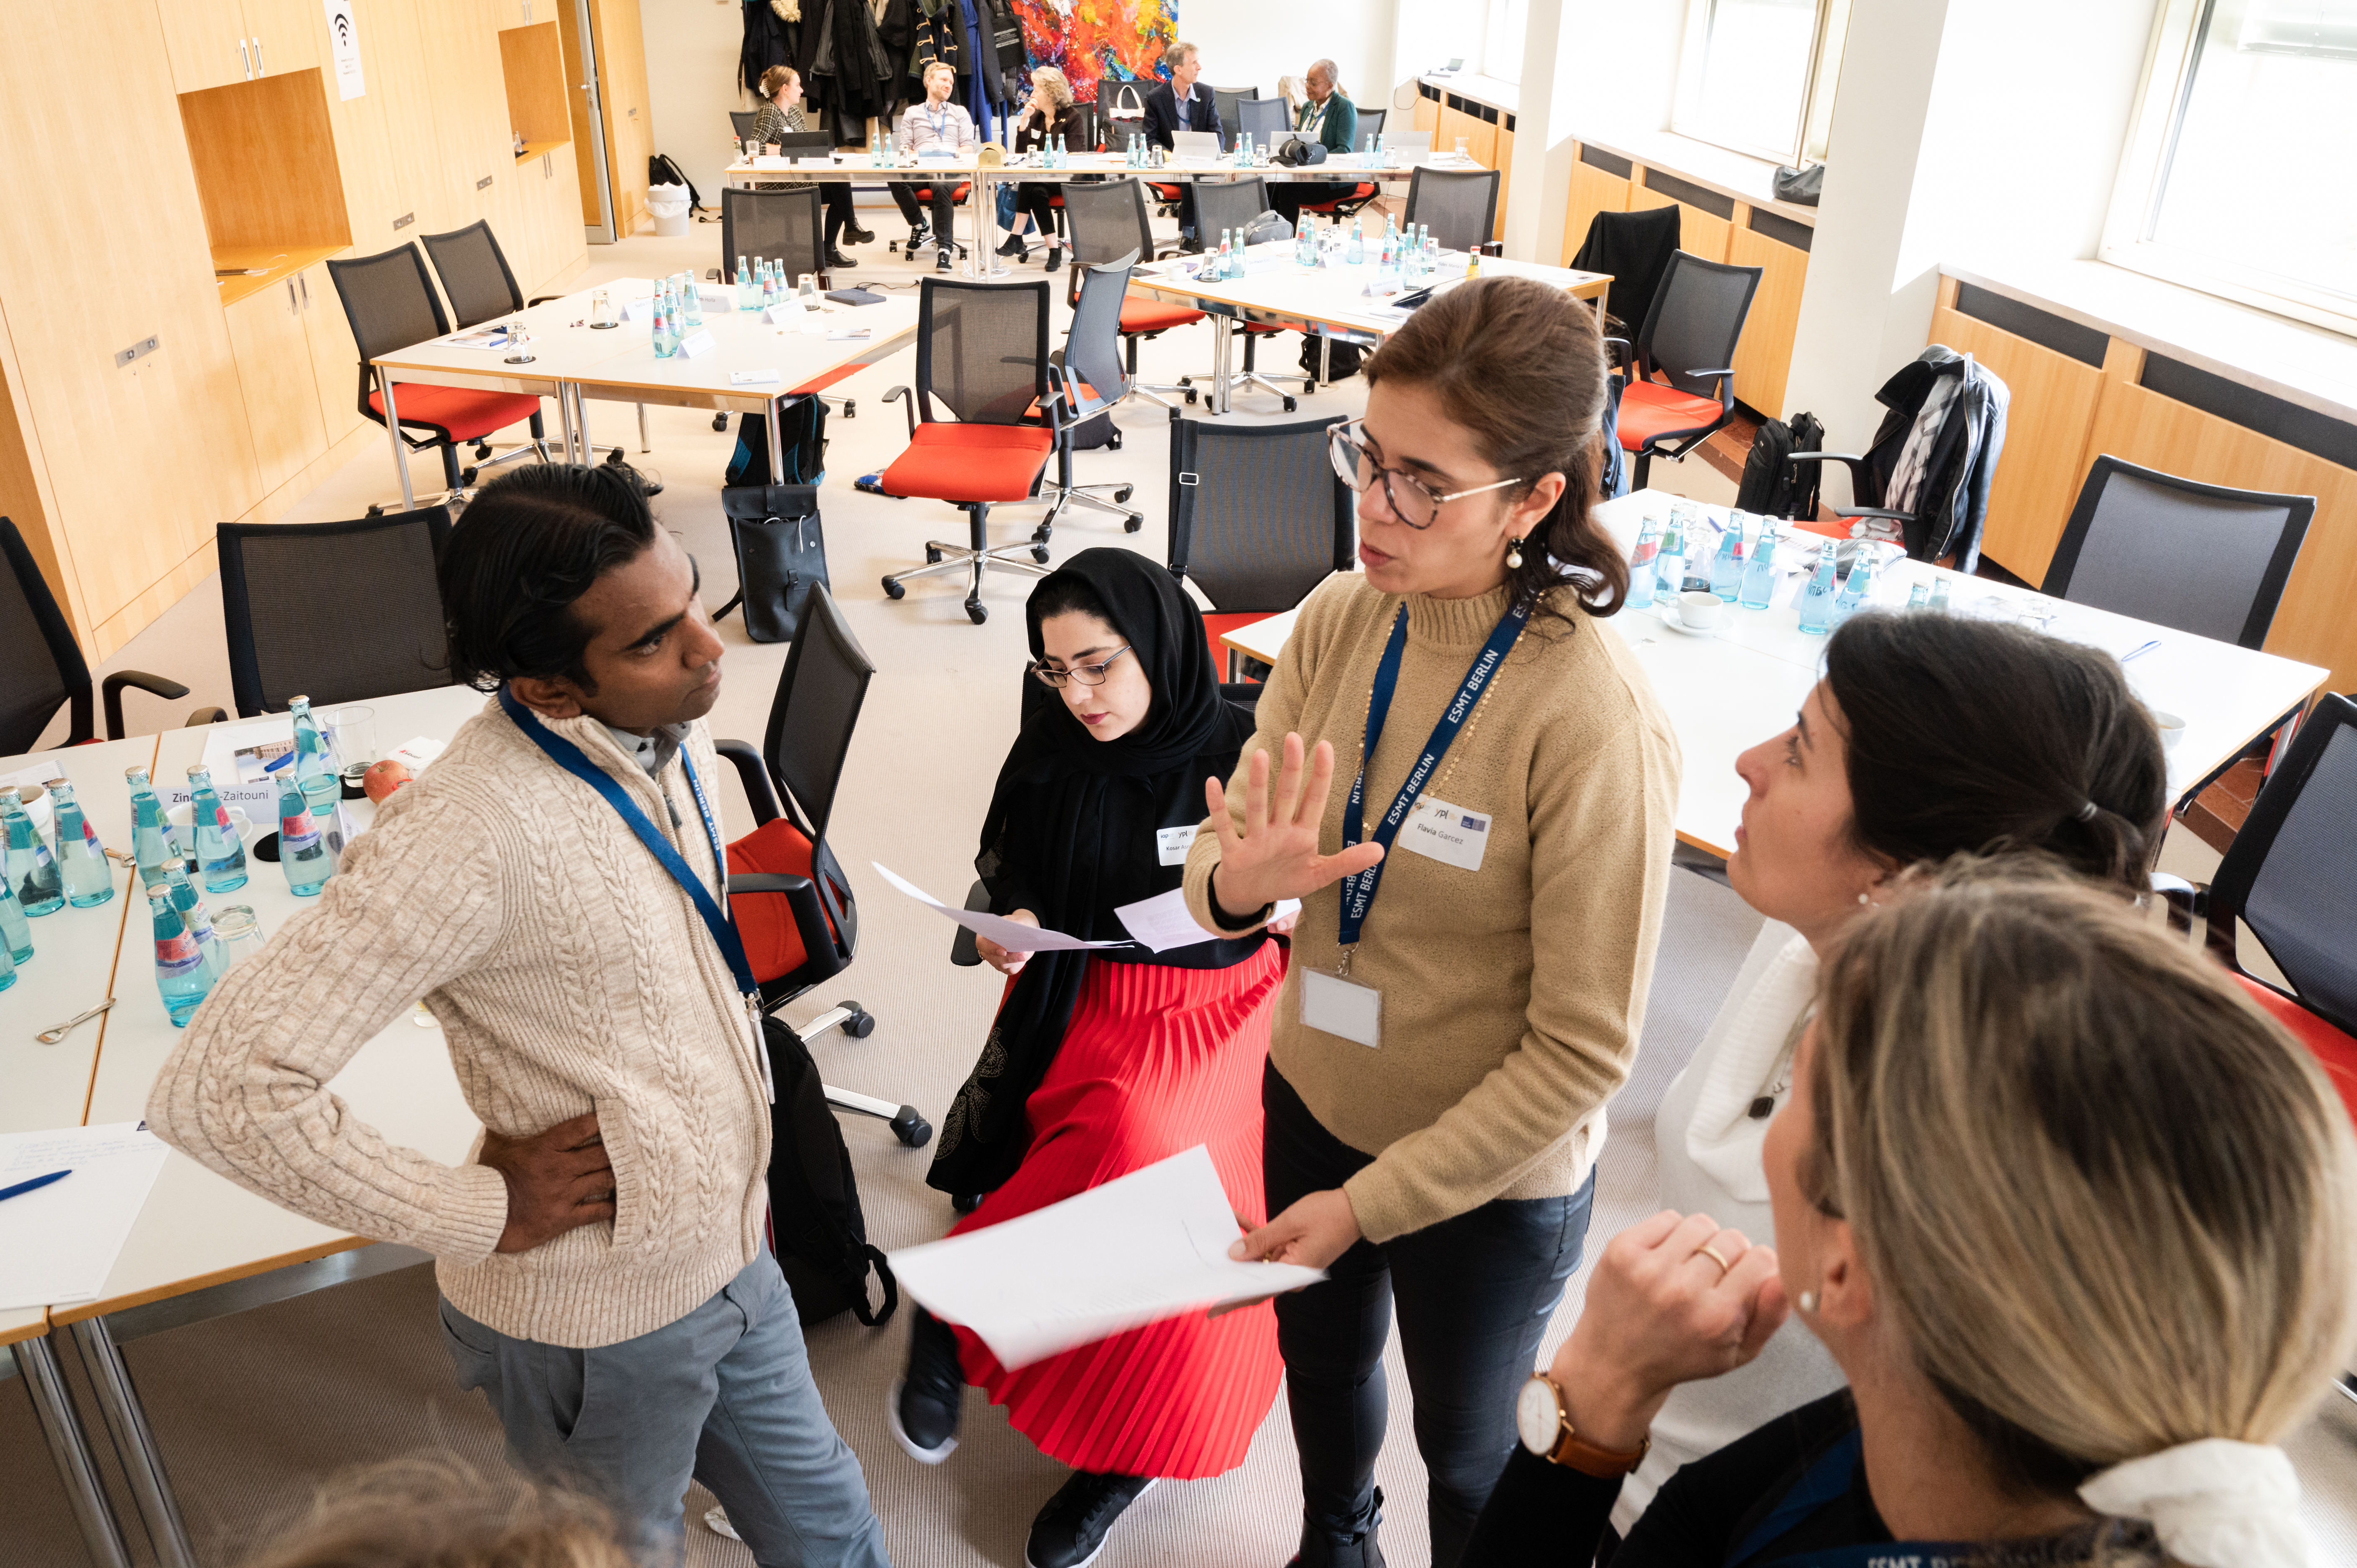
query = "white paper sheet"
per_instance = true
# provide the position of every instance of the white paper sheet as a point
(1145, 1247)
(1006, 933)
(225, 741)
(1163, 923)
(58, 1244)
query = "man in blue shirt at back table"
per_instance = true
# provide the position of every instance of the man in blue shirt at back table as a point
(1181, 104)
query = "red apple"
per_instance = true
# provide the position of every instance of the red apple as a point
(383, 777)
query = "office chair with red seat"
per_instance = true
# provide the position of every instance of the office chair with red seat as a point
(1370, 123)
(1259, 517)
(391, 303)
(1689, 338)
(982, 349)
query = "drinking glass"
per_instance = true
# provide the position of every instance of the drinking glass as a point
(238, 932)
(352, 731)
(1462, 146)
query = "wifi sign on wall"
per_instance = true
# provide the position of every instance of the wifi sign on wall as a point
(344, 48)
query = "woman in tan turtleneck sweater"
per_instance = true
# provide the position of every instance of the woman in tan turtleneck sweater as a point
(1435, 1089)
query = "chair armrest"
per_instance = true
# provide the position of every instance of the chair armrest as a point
(2186, 901)
(752, 772)
(897, 394)
(206, 716)
(1858, 476)
(1620, 350)
(112, 688)
(1871, 512)
(962, 952)
(810, 923)
(542, 299)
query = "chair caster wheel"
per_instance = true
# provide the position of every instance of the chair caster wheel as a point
(467, 477)
(1288, 406)
(850, 408)
(1309, 384)
(482, 450)
(861, 1024)
(913, 1131)
(1185, 380)
(1132, 522)
(892, 588)
(932, 556)
(1112, 442)
(1121, 496)
(976, 611)
(966, 1202)
(1039, 554)
(1190, 397)
(719, 422)
(374, 509)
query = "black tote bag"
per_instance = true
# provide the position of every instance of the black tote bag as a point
(781, 552)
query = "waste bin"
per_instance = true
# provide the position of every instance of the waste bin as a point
(667, 204)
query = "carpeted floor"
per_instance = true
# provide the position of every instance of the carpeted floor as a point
(252, 1410)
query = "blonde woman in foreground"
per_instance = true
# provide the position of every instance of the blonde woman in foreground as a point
(2072, 1215)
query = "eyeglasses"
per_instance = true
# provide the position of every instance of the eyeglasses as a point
(1411, 500)
(1086, 674)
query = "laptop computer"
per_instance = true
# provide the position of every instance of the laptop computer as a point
(1194, 145)
(1409, 144)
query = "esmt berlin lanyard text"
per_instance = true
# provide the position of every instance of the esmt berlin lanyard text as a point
(1358, 891)
(569, 756)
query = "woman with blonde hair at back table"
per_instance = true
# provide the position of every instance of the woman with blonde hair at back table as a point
(1048, 115)
(2071, 1214)
(782, 115)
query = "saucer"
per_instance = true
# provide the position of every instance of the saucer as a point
(1676, 625)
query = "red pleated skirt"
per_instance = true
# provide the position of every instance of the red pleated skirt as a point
(1156, 1061)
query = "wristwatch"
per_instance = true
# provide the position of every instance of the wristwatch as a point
(1546, 1430)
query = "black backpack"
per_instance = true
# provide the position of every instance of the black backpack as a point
(816, 1226)
(664, 169)
(1773, 487)
(801, 433)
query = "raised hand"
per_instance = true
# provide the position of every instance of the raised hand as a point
(1274, 852)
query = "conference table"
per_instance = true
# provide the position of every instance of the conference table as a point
(748, 361)
(1726, 691)
(202, 1246)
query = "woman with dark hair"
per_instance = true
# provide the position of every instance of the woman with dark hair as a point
(1102, 1062)
(1929, 735)
(1457, 1013)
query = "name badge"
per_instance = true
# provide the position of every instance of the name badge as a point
(1171, 844)
(1336, 1005)
(1449, 834)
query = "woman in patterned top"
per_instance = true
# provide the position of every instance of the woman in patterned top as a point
(782, 112)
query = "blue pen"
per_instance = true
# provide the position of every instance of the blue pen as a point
(36, 1184)
(2139, 650)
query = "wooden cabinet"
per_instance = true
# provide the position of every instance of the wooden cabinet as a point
(212, 43)
(1595, 187)
(1505, 167)
(1763, 356)
(335, 359)
(288, 35)
(266, 333)
(622, 93)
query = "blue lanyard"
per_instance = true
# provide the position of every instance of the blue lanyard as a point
(567, 756)
(1358, 891)
(941, 125)
(1824, 1482)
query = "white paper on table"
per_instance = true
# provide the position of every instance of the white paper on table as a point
(417, 753)
(58, 1244)
(1163, 923)
(1142, 1248)
(260, 801)
(40, 773)
(1010, 934)
(223, 743)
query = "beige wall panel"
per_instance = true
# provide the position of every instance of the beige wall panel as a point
(1592, 191)
(1764, 354)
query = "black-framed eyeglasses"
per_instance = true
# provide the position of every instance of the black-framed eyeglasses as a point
(1411, 500)
(1086, 674)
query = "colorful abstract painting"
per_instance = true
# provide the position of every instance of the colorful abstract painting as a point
(1098, 40)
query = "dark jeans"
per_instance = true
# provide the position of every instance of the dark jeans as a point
(834, 195)
(1037, 196)
(1287, 197)
(904, 194)
(1473, 1294)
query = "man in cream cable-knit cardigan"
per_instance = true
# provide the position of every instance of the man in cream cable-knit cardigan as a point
(601, 1262)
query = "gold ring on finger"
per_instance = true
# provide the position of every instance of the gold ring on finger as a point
(1707, 1250)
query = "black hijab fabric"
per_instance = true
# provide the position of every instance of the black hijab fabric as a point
(1071, 836)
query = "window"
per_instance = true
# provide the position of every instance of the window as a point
(1758, 75)
(1501, 40)
(2236, 179)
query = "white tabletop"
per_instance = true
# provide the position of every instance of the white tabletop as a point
(1274, 288)
(74, 951)
(1729, 691)
(200, 1229)
(851, 165)
(630, 370)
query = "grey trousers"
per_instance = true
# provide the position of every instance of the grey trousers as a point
(724, 1396)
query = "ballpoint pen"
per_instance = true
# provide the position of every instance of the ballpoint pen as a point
(2139, 650)
(36, 1183)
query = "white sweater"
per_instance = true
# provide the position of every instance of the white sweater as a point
(569, 973)
(1706, 1154)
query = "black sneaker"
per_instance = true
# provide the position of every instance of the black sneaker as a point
(1014, 248)
(925, 1399)
(1351, 1545)
(918, 237)
(942, 260)
(1070, 1531)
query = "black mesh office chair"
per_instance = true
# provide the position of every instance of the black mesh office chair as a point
(338, 611)
(391, 303)
(1109, 221)
(46, 669)
(794, 780)
(481, 286)
(774, 225)
(2202, 558)
(1689, 338)
(1225, 99)
(1258, 517)
(741, 120)
(1370, 123)
(1088, 376)
(1460, 206)
(1635, 248)
(1233, 204)
(1263, 119)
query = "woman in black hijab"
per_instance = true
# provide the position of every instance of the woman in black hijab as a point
(1102, 1062)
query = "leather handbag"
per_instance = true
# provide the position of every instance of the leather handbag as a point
(1299, 151)
(781, 552)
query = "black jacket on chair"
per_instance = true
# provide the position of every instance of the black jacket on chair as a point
(1162, 114)
(1951, 503)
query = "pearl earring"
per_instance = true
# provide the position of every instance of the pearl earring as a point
(1864, 899)
(1808, 1302)
(1514, 555)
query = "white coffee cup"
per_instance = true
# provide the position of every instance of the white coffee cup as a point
(183, 815)
(38, 805)
(1699, 608)
(2171, 727)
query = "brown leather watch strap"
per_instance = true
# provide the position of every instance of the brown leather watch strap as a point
(1573, 1452)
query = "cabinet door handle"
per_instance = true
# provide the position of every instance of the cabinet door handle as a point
(245, 61)
(305, 279)
(292, 309)
(259, 69)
